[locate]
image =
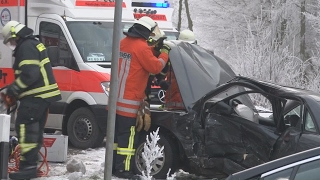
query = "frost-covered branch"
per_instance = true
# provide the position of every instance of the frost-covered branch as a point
(151, 152)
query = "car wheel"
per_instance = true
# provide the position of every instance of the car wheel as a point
(83, 130)
(161, 166)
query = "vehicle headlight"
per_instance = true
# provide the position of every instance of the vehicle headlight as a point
(106, 87)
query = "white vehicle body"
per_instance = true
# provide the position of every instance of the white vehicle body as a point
(81, 33)
(160, 11)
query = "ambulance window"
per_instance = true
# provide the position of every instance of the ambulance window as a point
(94, 39)
(52, 35)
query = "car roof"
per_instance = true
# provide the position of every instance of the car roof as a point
(281, 88)
(263, 168)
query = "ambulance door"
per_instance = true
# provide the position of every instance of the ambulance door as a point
(53, 36)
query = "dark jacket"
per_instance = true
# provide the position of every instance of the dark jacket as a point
(33, 71)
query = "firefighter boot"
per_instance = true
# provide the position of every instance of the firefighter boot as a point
(25, 173)
(126, 175)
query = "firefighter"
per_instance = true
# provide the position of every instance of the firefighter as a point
(35, 87)
(156, 43)
(187, 36)
(167, 79)
(168, 82)
(136, 61)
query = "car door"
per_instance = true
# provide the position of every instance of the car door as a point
(310, 135)
(301, 170)
(241, 140)
(289, 138)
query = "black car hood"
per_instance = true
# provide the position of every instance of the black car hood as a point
(197, 71)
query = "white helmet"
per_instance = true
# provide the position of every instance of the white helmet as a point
(147, 22)
(10, 30)
(187, 36)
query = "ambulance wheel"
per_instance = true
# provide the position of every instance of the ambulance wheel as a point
(160, 166)
(83, 130)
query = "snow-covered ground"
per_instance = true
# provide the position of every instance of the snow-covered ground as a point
(93, 159)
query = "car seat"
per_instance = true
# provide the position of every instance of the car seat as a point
(244, 111)
(293, 119)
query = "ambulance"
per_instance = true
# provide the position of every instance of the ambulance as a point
(160, 11)
(78, 36)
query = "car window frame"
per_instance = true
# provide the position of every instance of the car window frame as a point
(297, 168)
(294, 165)
(304, 131)
(301, 114)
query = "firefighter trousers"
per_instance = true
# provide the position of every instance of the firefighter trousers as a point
(125, 142)
(31, 118)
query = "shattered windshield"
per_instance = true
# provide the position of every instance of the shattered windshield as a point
(94, 39)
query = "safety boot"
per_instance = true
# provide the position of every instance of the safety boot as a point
(126, 175)
(24, 173)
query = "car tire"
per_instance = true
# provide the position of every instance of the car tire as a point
(168, 161)
(83, 130)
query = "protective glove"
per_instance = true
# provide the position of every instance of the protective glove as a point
(147, 116)
(164, 85)
(139, 120)
(143, 119)
(159, 43)
(165, 49)
(13, 90)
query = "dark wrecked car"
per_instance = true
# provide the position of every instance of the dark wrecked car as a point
(300, 166)
(220, 132)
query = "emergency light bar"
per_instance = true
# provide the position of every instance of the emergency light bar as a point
(155, 5)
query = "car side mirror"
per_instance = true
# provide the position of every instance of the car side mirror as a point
(53, 54)
(223, 108)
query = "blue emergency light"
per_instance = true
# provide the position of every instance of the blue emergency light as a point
(155, 5)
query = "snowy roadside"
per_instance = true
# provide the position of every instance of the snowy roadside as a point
(93, 159)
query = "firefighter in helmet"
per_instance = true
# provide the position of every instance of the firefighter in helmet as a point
(187, 36)
(35, 87)
(136, 62)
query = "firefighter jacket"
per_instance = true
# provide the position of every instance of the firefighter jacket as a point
(173, 99)
(33, 71)
(136, 62)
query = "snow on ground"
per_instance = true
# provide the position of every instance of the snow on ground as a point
(93, 160)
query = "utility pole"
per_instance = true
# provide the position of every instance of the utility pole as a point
(117, 30)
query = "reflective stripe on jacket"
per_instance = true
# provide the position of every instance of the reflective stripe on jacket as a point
(33, 71)
(136, 61)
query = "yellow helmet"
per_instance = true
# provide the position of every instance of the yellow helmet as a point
(10, 30)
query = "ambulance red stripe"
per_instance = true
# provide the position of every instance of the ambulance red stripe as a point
(97, 3)
(11, 3)
(68, 80)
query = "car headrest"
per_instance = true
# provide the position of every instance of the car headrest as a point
(293, 119)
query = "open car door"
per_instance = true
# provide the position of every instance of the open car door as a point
(235, 137)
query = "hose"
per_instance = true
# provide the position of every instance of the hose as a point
(14, 162)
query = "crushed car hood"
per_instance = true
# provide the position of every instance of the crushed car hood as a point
(197, 71)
